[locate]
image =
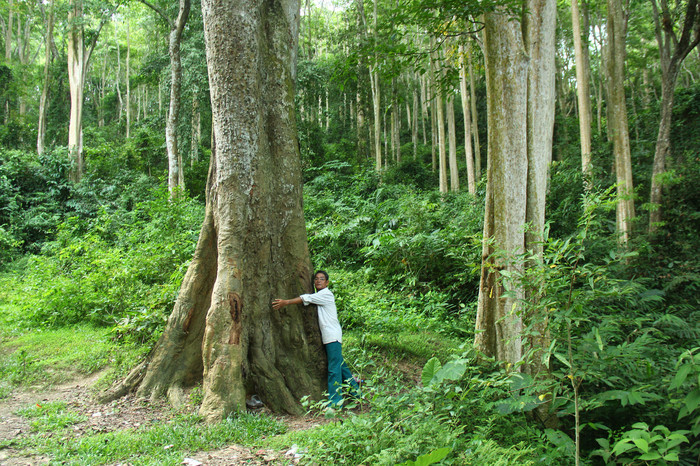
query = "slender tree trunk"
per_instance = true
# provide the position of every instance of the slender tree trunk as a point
(414, 123)
(432, 103)
(671, 61)
(424, 106)
(452, 143)
(617, 103)
(103, 87)
(43, 102)
(119, 73)
(128, 79)
(252, 247)
(442, 149)
(8, 52)
(475, 123)
(376, 99)
(78, 62)
(175, 177)
(468, 155)
(196, 130)
(582, 90)
(76, 78)
(8, 32)
(395, 123)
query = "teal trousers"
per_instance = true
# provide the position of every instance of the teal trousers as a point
(338, 373)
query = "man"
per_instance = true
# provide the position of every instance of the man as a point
(331, 334)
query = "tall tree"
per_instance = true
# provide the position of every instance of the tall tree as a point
(672, 51)
(43, 102)
(468, 153)
(582, 87)
(78, 62)
(452, 143)
(475, 120)
(618, 15)
(252, 246)
(376, 94)
(520, 97)
(177, 25)
(8, 50)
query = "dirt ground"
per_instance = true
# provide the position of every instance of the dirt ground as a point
(125, 413)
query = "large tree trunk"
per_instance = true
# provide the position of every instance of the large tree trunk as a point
(617, 104)
(253, 244)
(582, 89)
(520, 99)
(672, 52)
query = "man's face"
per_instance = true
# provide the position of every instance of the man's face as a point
(320, 281)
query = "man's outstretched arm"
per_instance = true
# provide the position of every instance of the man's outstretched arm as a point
(278, 304)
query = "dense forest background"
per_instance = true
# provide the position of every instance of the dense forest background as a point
(100, 212)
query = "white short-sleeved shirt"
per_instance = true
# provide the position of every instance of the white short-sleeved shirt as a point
(327, 314)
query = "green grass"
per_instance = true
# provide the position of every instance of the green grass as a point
(411, 347)
(51, 417)
(166, 443)
(52, 356)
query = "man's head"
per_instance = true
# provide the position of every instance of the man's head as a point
(321, 280)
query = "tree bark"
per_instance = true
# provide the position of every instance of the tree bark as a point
(414, 122)
(43, 102)
(452, 144)
(252, 245)
(468, 153)
(376, 98)
(119, 73)
(617, 104)
(439, 110)
(175, 175)
(582, 90)
(128, 79)
(76, 78)
(8, 53)
(475, 122)
(520, 98)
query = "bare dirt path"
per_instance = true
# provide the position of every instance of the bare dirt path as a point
(125, 413)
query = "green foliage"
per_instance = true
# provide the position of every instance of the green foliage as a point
(33, 195)
(656, 446)
(612, 344)
(428, 459)
(405, 238)
(123, 268)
